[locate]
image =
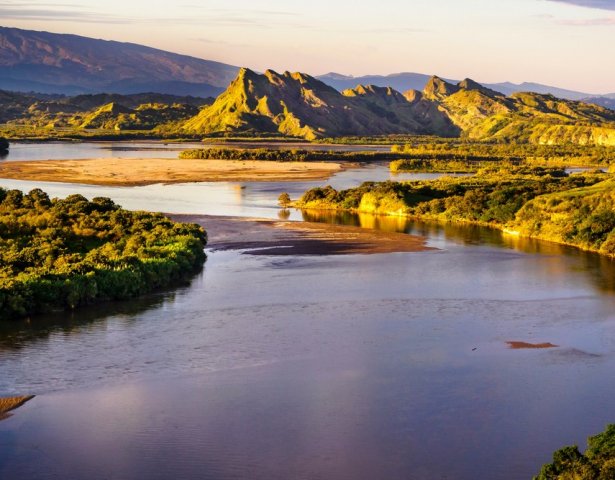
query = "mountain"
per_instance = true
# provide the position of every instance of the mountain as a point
(296, 104)
(509, 88)
(606, 101)
(70, 64)
(417, 81)
(399, 81)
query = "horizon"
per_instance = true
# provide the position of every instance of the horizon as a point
(514, 41)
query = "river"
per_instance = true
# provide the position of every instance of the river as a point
(316, 367)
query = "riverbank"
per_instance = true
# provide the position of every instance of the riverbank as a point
(147, 171)
(270, 237)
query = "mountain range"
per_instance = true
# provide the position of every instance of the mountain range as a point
(70, 64)
(46, 62)
(296, 104)
(409, 80)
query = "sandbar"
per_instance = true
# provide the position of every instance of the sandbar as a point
(283, 238)
(147, 171)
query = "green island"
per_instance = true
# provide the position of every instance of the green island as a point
(60, 254)
(597, 463)
(539, 202)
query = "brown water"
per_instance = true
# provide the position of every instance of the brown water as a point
(345, 367)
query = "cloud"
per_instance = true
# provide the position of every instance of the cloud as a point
(590, 22)
(596, 4)
(55, 12)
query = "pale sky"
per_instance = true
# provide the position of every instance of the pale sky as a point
(566, 43)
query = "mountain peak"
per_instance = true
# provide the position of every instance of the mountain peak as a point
(437, 88)
(469, 84)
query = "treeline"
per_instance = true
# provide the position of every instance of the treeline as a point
(597, 463)
(62, 254)
(446, 166)
(284, 155)
(557, 155)
(539, 202)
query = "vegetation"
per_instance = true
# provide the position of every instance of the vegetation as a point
(4, 144)
(284, 155)
(62, 254)
(474, 151)
(540, 202)
(95, 116)
(421, 165)
(284, 200)
(597, 463)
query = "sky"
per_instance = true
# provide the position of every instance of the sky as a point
(566, 43)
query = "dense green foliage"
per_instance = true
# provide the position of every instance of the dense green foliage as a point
(540, 202)
(61, 254)
(4, 144)
(284, 155)
(597, 463)
(557, 155)
(421, 165)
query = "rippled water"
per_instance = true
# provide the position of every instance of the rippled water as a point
(318, 367)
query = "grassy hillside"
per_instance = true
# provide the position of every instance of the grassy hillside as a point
(48, 116)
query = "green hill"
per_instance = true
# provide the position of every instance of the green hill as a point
(145, 111)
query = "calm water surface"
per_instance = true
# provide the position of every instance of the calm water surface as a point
(322, 367)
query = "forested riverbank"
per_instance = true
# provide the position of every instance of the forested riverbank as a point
(537, 202)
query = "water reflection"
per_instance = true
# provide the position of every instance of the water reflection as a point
(601, 269)
(23, 333)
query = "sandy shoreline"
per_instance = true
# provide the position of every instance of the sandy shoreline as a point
(272, 237)
(147, 171)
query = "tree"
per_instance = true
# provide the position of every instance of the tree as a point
(284, 200)
(4, 144)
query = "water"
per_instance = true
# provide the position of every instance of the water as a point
(140, 149)
(318, 367)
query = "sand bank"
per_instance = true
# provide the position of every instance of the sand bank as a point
(146, 171)
(271, 237)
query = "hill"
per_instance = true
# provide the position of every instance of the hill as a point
(144, 111)
(70, 64)
(296, 104)
(483, 114)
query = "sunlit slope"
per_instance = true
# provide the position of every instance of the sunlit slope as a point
(484, 114)
(298, 105)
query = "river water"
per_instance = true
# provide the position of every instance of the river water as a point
(318, 367)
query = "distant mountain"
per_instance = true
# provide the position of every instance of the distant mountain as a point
(606, 101)
(417, 81)
(70, 64)
(509, 88)
(399, 81)
(298, 105)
